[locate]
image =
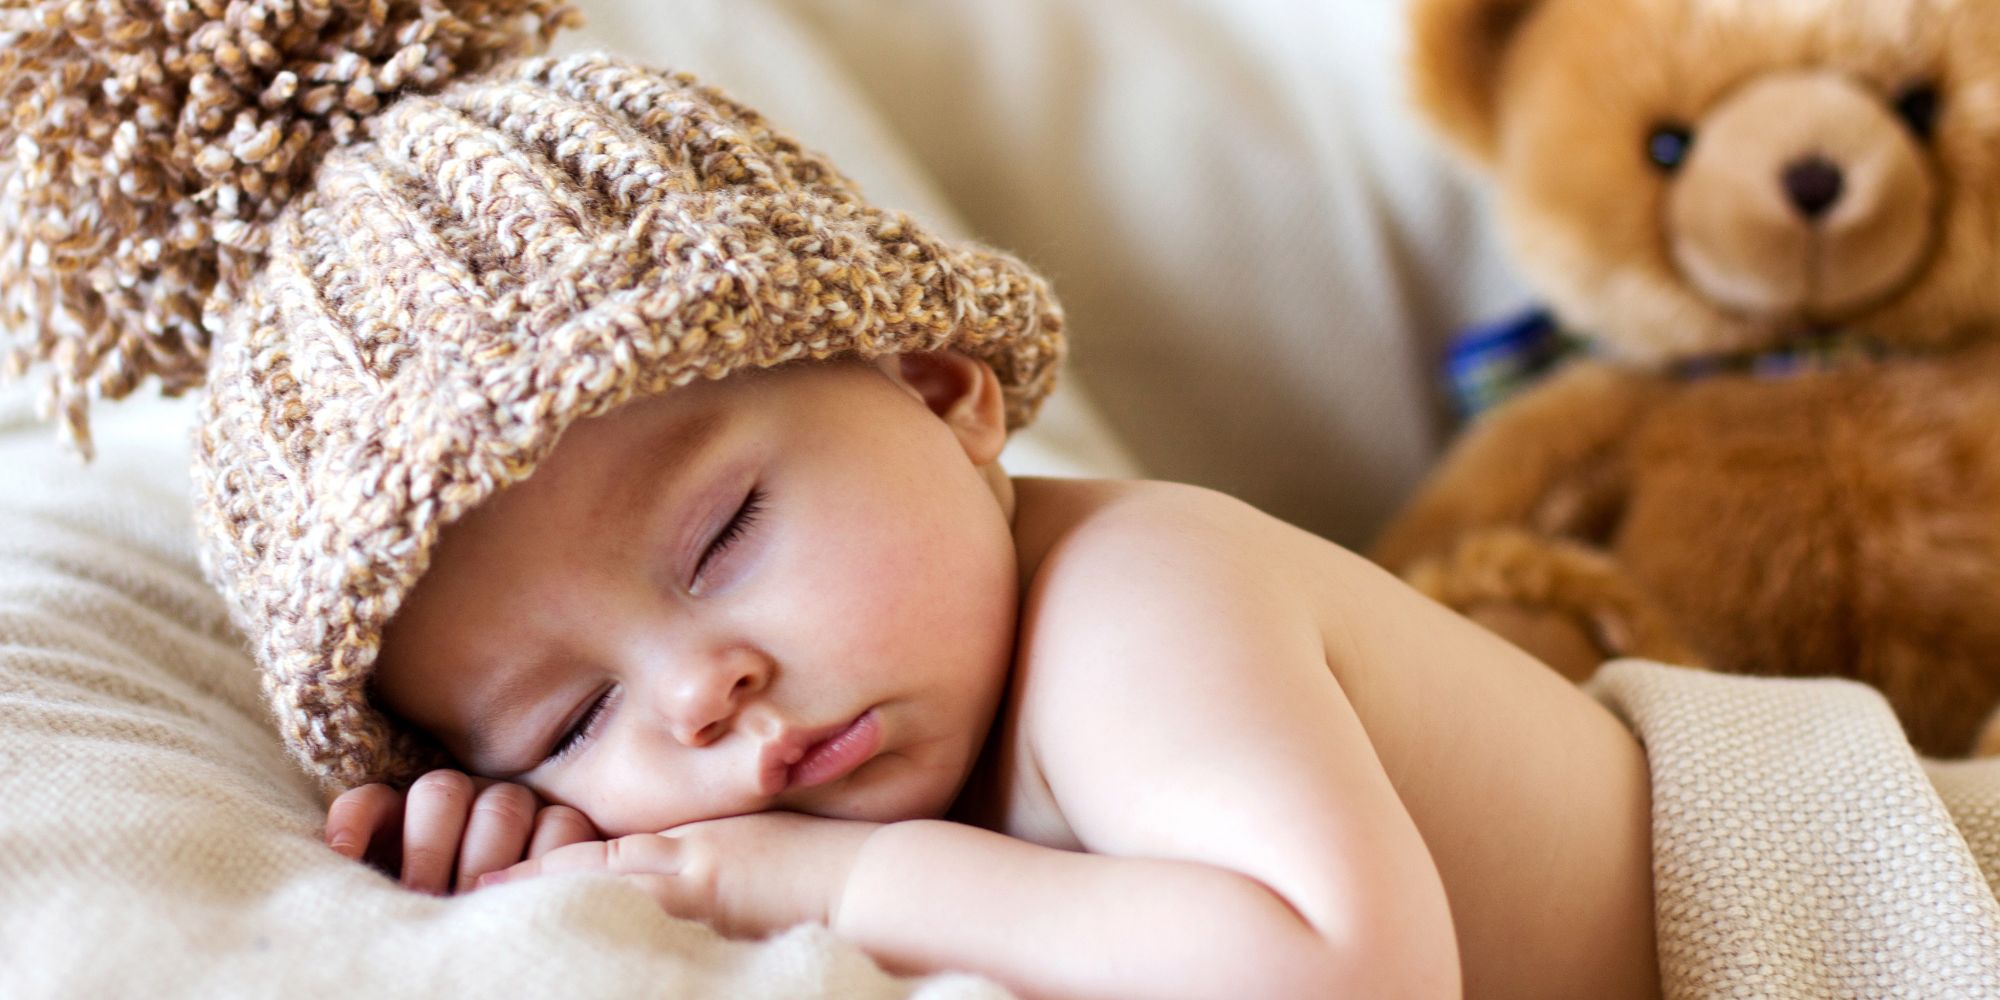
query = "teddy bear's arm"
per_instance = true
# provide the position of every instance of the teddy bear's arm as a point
(1550, 460)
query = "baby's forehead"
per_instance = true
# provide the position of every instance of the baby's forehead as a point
(606, 473)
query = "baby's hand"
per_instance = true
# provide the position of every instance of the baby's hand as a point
(747, 876)
(481, 824)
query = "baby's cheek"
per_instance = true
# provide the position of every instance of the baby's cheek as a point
(872, 593)
(918, 575)
(892, 601)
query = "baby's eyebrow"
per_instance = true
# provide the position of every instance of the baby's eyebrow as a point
(483, 733)
(667, 452)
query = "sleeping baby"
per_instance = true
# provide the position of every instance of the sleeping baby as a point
(789, 645)
(798, 650)
(605, 486)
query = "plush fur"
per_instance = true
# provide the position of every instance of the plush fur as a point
(1843, 519)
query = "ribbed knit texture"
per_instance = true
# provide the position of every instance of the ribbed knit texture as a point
(467, 272)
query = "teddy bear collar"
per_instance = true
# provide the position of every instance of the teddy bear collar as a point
(1489, 363)
(1816, 350)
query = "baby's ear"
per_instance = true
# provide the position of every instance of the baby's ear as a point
(1457, 48)
(962, 391)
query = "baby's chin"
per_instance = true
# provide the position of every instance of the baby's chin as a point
(889, 789)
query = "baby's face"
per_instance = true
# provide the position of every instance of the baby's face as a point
(793, 589)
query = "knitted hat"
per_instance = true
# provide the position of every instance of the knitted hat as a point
(415, 260)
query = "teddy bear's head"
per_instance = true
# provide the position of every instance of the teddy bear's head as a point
(1693, 177)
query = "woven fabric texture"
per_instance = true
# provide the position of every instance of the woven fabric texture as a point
(1801, 849)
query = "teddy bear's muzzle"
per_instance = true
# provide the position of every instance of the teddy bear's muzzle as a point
(1804, 199)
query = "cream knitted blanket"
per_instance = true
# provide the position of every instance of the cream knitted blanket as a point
(1801, 849)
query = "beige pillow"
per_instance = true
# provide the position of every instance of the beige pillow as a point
(1261, 251)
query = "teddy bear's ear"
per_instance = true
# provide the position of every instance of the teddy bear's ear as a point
(1456, 51)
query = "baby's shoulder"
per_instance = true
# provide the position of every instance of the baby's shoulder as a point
(1065, 526)
(1122, 573)
(1149, 539)
(1159, 617)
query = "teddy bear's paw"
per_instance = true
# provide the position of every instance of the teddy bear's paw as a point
(1568, 644)
(1988, 743)
(1570, 605)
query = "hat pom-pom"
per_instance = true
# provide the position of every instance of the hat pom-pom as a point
(145, 144)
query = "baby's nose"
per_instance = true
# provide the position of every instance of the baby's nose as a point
(703, 698)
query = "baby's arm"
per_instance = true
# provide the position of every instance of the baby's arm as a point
(1244, 839)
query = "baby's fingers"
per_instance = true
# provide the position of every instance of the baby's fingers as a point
(661, 866)
(358, 815)
(558, 826)
(433, 821)
(639, 854)
(496, 835)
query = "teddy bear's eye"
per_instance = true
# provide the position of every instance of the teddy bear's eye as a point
(1918, 107)
(1668, 146)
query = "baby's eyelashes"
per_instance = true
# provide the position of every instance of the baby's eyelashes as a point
(584, 730)
(738, 525)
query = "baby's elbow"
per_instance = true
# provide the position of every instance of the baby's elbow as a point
(1374, 969)
(1373, 959)
(1379, 932)
(1332, 975)
(1370, 955)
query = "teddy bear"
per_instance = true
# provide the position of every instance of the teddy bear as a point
(1775, 230)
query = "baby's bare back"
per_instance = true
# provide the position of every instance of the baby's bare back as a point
(1530, 797)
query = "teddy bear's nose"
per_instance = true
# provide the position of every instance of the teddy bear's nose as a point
(1813, 183)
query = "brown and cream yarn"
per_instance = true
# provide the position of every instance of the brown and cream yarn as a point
(404, 263)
